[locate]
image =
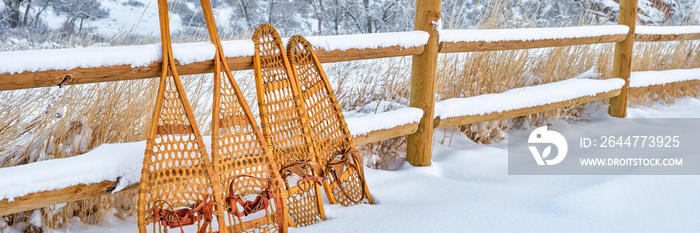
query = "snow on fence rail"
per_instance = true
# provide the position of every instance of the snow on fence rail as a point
(43, 68)
(111, 168)
(643, 81)
(186, 53)
(104, 169)
(667, 33)
(380, 126)
(524, 101)
(527, 38)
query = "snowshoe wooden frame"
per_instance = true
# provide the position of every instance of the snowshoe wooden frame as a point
(177, 171)
(284, 125)
(242, 157)
(345, 183)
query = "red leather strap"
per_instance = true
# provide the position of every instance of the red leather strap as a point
(261, 202)
(184, 217)
(206, 211)
(299, 168)
(337, 167)
(281, 220)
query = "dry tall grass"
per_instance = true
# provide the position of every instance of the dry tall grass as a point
(665, 56)
(472, 74)
(48, 123)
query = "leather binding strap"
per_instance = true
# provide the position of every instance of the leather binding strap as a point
(336, 168)
(261, 202)
(299, 168)
(184, 217)
(285, 128)
(328, 130)
(166, 177)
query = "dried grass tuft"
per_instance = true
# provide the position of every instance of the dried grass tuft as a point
(665, 56)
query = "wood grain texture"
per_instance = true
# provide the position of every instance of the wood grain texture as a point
(673, 37)
(622, 64)
(54, 197)
(419, 145)
(456, 121)
(379, 135)
(479, 46)
(363, 54)
(50, 78)
(663, 87)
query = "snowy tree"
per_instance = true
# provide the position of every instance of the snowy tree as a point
(318, 8)
(81, 10)
(11, 13)
(247, 14)
(22, 13)
(685, 12)
(191, 12)
(42, 5)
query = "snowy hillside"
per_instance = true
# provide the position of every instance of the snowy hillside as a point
(140, 17)
(125, 16)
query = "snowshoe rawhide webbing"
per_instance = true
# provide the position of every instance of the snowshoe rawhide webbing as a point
(243, 160)
(345, 183)
(177, 176)
(285, 128)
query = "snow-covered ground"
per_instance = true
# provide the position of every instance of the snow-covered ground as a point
(467, 189)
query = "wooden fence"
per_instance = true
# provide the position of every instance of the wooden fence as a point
(424, 70)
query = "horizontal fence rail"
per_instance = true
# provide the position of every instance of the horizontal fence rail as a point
(388, 45)
(389, 48)
(74, 76)
(481, 46)
(455, 41)
(81, 191)
(457, 121)
(645, 81)
(43, 68)
(54, 197)
(668, 33)
(524, 101)
(664, 87)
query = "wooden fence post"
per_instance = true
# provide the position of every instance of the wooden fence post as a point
(423, 78)
(623, 57)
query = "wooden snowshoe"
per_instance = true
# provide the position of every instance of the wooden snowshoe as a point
(243, 160)
(345, 183)
(285, 128)
(176, 180)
